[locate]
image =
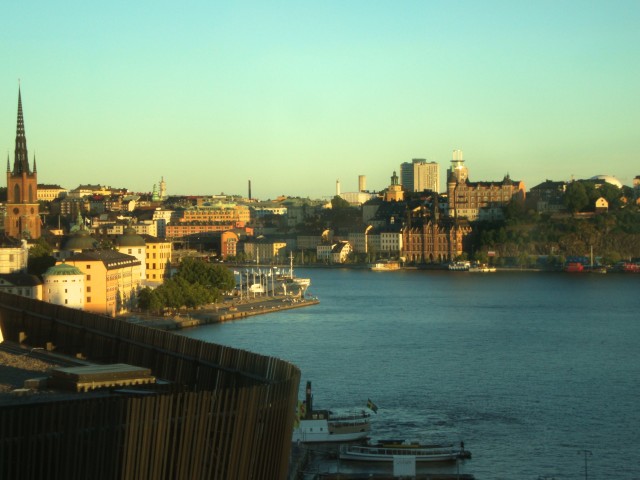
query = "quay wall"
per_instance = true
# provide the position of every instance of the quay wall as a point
(219, 413)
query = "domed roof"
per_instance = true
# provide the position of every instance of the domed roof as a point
(81, 240)
(130, 238)
(609, 179)
(63, 269)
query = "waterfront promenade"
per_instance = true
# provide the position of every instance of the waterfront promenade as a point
(230, 309)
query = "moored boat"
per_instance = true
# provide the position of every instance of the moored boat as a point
(385, 266)
(386, 451)
(460, 266)
(481, 268)
(325, 426)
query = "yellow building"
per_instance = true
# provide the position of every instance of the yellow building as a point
(112, 280)
(239, 215)
(159, 255)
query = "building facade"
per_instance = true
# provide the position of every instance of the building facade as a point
(479, 200)
(419, 175)
(22, 218)
(112, 280)
(434, 240)
(158, 259)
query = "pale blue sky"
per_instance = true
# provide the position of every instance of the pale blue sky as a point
(294, 95)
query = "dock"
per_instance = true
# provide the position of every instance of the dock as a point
(235, 309)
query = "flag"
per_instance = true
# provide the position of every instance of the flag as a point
(372, 406)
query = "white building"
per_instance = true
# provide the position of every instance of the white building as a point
(64, 285)
(14, 255)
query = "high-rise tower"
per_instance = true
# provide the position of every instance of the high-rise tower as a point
(22, 219)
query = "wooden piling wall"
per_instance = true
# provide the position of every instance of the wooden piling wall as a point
(225, 413)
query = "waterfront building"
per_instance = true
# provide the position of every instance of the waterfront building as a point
(262, 250)
(64, 285)
(310, 241)
(429, 237)
(22, 217)
(359, 239)
(340, 251)
(479, 200)
(391, 242)
(112, 280)
(419, 175)
(323, 252)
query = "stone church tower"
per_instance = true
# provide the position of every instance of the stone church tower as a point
(22, 218)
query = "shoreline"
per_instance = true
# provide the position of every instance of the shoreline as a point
(218, 313)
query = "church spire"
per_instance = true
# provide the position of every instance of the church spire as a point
(21, 160)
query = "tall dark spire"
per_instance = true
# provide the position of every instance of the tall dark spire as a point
(21, 159)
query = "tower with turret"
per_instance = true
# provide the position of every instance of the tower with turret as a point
(22, 219)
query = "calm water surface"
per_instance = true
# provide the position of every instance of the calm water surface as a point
(527, 368)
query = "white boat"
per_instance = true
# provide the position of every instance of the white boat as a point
(385, 266)
(289, 281)
(386, 451)
(319, 426)
(460, 266)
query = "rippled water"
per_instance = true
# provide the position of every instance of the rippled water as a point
(529, 369)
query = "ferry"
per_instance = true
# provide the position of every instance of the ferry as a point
(385, 266)
(460, 266)
(481, 268)
(385, 451)
(319, 426)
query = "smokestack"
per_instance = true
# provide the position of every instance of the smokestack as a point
(362, 183)
(338, 188)
(249, 189)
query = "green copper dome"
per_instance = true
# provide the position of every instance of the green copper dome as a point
(63, 269)
(130, 238)
(80, 240)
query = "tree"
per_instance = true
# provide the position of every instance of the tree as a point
(40, 257)
(575, 197)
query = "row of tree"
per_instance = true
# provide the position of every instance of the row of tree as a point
(196, 283)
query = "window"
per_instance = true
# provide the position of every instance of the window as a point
(88, 289)
(88, 267)
(88, 278)
(88, 299)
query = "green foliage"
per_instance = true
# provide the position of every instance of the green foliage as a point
(613, 236)
(40, 257)
(338, 202)
(196, 283)
(575, 197)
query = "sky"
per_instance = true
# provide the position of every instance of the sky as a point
(294, 96)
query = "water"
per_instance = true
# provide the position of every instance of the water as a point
(529, 369)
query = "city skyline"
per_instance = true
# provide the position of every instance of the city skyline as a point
(298, 96)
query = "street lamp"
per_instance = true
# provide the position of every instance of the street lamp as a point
(587, 453)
